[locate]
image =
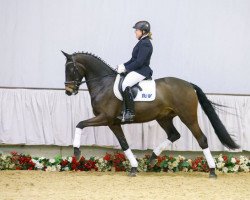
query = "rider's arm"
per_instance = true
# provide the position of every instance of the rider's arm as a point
(143, 55)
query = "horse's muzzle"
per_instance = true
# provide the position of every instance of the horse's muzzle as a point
(69, 91)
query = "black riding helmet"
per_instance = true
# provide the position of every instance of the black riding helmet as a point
(143, 26)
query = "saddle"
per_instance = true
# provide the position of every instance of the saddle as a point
(142, 91)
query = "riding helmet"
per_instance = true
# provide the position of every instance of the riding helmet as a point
(143, 26)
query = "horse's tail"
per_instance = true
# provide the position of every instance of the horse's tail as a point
(218, 126)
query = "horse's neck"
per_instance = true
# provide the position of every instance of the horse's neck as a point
(99, 87)
(99, 77)
(95, 67)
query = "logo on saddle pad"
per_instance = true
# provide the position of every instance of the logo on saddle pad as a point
(143, 91)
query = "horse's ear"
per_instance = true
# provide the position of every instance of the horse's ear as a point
(66, 55)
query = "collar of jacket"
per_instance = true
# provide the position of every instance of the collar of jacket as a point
(144, 36)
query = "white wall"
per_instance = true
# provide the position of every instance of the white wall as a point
(203, 41)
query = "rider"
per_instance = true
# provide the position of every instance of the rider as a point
(137, 68)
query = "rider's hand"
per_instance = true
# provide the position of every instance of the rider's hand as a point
(121, 68)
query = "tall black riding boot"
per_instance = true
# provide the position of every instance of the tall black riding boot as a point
(129, 113)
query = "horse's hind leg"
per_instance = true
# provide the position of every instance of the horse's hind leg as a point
(173, 135)
(202, 140)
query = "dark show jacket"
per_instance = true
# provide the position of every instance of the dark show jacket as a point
(140, 60)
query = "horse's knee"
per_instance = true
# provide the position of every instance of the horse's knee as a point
(174, 137)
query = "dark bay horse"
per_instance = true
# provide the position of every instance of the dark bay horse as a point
(174, 97)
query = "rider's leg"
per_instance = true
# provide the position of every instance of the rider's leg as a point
(129, 112)
(131, 79)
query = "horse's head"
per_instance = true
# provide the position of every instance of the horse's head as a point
(74, 73)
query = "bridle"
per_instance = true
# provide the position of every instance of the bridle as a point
(77, 82)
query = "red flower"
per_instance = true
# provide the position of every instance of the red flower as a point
(14, 153)
(194, 166)
(160, 159)
(64, 163)
(118, 162)
(73, 166)
(107, 157)
(82, 159)
(225, 158)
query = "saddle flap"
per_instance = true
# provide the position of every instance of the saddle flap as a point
(143, 91)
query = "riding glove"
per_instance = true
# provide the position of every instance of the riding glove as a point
(121, 68)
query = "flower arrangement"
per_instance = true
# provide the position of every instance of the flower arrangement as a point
(229, 164)
(118, 162)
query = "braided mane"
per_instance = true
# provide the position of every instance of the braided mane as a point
(95, 56)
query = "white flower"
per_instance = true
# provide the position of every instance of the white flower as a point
(243, 160)
(58, 167)
(245, 168)
(66, 168)
(170, 165)
(52, 161)
(233, 160)
(69, 159)
(185, 169)
(236, 168)
(220, 158)
(220, 165)
(48, 169)
(53, 168)
(175, 164)
(181, 157)
(224, 169)
(39, 165)
(41, 158)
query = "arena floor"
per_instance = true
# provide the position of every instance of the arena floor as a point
(117, 185)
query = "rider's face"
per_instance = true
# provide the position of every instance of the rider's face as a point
(138, 33)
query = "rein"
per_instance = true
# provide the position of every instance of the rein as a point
(100, 77)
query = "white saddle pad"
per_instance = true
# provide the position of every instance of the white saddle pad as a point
(147, 93)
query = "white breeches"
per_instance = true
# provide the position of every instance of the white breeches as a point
(131, 79)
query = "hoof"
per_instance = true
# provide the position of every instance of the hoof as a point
(77, 153)
(152, 163)
(133, 172)
(152, 160)
(212, 173)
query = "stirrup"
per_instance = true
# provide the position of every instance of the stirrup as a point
(128, 116)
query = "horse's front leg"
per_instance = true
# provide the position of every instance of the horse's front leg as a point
(117, 130)
(99, 120)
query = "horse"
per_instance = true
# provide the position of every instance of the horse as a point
(174, 97)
